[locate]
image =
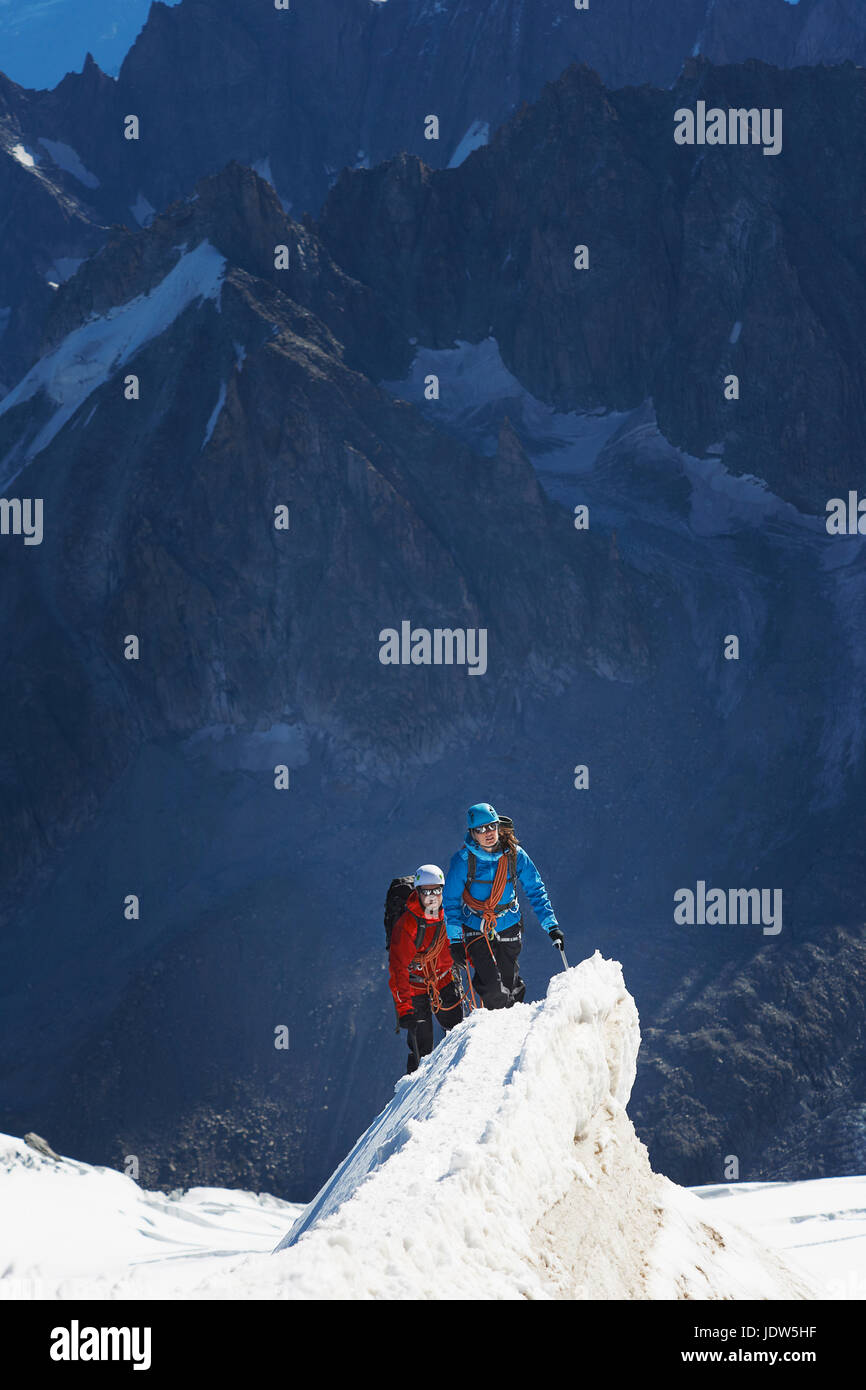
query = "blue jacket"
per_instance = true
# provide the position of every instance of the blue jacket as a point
(458, 915)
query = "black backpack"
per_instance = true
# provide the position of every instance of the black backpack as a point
(395, 903)
(398, 892)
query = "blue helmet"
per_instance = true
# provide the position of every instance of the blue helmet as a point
(480, 814)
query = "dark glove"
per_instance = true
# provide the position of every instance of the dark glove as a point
(458, 952)
(407, 1020)
(557, 937)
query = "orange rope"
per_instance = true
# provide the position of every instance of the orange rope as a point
(427, 962)
(486, 910)
(475, 1004)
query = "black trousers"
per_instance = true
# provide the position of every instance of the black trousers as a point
(420, 1030)
(496, 976)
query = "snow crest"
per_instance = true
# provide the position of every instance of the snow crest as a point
(507, 1168)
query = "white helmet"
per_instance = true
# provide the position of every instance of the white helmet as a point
(429, 876)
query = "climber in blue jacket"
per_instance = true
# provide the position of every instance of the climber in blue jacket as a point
(482, 913)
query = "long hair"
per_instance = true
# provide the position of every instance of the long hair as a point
(507, 835)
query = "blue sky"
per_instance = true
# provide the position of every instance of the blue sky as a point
(41, 40)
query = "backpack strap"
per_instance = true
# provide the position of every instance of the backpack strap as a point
(433, 948)
(471, 862)
(421, 931)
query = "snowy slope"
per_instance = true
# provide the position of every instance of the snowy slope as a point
(69, 1229)
(509, 1166)
(819, 1226)
(506, 1168)
(87, 357)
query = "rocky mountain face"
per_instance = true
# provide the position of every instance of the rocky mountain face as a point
(261, 648)
(809, 33)
(257, 646)
(698, 254)
(703, 262)
(318, 87)
(303, 93)
(247, 403)
(50, 225)
(262, 387)
(778, 1043)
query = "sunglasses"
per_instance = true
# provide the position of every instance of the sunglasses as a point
(483, 829)
(429, 892)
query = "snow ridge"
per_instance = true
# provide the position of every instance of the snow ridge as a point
(507, 1168)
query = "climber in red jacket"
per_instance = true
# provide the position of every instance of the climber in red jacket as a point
(423, 979)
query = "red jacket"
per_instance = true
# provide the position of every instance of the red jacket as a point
(406, 979)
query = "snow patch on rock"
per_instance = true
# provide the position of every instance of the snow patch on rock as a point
(214, 415)
(24, 156)
(723, 502)
(66, 158)
(143, 211)
(476, 389)
(477, 135)
(91, 354)
(66, 266)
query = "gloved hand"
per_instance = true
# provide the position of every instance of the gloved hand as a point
(557, 937)
(407, 1020)
(458, 952)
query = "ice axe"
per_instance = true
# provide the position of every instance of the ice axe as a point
(561, 949)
